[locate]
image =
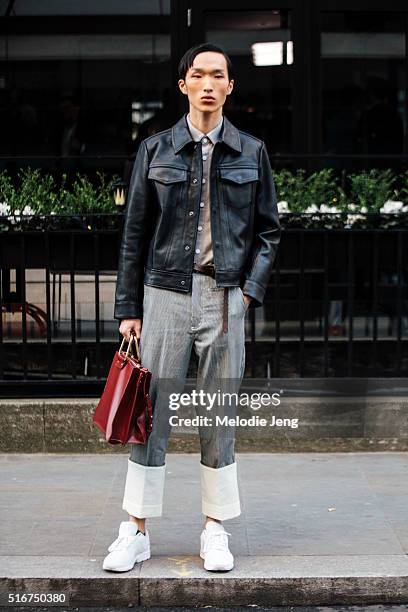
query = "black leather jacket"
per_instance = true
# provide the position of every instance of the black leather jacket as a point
(161, 216)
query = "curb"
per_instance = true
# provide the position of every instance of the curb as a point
(181, 581)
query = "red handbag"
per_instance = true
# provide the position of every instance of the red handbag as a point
(124, 412)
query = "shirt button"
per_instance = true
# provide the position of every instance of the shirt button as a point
(182, 282)
(197, 250)
(201, 204)
(200, 227)
(195, 181)
(203, 181)
(191, 213)
(205, 139)
(186, 248)
(204, 157)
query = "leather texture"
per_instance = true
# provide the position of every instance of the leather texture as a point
(162, 210)
(124, 412)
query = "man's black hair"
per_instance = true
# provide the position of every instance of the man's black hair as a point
(188, 58)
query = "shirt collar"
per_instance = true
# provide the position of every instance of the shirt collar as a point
(181, 135)
(213, 135)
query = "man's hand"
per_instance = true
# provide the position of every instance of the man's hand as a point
(247, 300)
(127, 326)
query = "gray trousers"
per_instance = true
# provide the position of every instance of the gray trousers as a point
(174, 324)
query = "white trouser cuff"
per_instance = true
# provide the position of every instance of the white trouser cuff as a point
(144, 489)
(219, 491)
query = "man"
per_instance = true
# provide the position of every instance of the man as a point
(201, 222)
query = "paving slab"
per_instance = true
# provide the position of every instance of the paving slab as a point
(315, 529)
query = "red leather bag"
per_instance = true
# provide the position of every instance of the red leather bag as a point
(124, 412)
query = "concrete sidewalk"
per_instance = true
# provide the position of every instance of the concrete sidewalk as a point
(316, 528)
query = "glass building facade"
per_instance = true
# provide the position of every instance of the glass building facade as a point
(324, 83)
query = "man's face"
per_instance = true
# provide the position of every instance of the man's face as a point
(206, 83)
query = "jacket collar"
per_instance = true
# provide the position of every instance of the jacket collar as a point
(181, 135)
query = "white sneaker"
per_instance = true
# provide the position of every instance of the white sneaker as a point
(214, 548)
(127, 549)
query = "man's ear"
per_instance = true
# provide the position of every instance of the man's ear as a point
(230, 87)
(182, 86)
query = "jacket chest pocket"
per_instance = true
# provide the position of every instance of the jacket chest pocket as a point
(238, 185)
(169, 183)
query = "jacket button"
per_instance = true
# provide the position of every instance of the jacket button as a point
(186, 248)
(182, 282)
(191, 213)
(195, 181)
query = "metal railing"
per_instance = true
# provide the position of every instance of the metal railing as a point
(336, 306)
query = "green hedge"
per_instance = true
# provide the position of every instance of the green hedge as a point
(304, 200)
(38, 193)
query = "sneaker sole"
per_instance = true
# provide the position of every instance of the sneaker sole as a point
(217, 568)
(142, 557)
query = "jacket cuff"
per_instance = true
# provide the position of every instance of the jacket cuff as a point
(128, 310)
(255, 291)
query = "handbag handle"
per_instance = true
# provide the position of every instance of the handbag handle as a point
(136, 340)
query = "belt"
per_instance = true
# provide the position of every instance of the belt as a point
(207, 270)
(210, 271)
